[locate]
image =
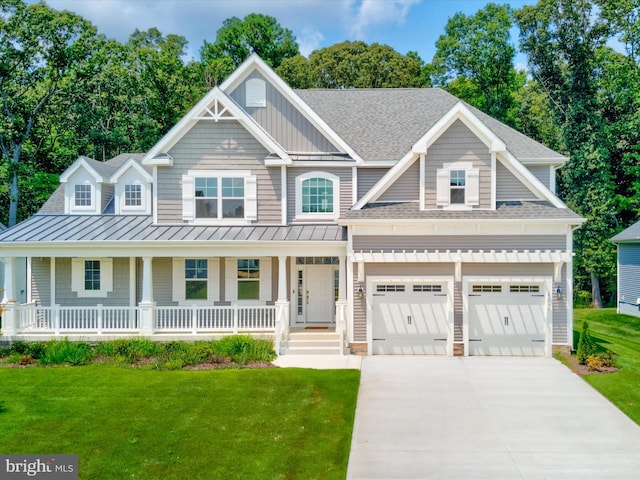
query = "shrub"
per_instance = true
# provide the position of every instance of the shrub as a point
(128, 350)
(586, 345)
(34, 349)
(243, 349)
(58, 352)
(600, 361)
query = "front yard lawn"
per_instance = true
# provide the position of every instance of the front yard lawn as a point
(149, 424)
(621, 335)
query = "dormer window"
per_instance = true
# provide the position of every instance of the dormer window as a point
(133, 195)
(458, 186)
(82, 196)
(255, 93)
(317, 195)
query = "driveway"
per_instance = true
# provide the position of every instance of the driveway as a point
(486, 417)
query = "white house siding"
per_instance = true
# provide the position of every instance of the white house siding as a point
(346, 182)
(406, 188)
(629, 278)
(458, 144)
(283, 121)
(223, 145)
(368, 177)
(508, 187)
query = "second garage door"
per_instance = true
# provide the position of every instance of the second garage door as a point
(410, 318)
(507, 319)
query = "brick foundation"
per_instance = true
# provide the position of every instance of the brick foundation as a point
(458, 349)
(563, 349)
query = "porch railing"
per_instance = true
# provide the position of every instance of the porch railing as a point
(215, 319)
(99, 319)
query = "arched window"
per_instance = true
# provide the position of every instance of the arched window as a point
(317, 195)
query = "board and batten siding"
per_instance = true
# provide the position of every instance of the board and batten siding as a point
(346, 182)
(458, 144)
(367, 178)
(118, 297)
(406, 188)
(283, 121)
(508, 187)
(223, 145)
(442, 243)
(629, 278)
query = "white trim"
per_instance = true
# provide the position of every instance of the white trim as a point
(78, 277)
(299, 214)
(482, 256)
(253, 63)
(423, 162)
(529, 180)
(178, 280)
(131, 163)
(284, 195)
(132, 282)
(81, 162)
(255, 92)
(131, 173)
(354, 185)
(215, 96)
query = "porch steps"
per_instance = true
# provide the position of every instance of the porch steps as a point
(312, 343)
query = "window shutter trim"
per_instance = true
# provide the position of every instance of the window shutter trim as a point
(442, 187)
(188, 198)
(472, 194)
(251, 197)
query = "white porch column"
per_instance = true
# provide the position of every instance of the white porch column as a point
(342, 303)
(9, 304)
(147, 305)
(282, 305)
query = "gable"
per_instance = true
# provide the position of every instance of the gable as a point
(281, 119)
(508, 187)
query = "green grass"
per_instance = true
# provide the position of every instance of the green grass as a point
(621, 335)
(215, 424)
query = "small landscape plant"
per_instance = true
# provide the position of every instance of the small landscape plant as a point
(60, 352)
(586, 345)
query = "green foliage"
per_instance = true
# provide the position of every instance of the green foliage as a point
(129, 350)
(474, 60)
(60, 352)
(601, 361)
(3, 407)
(586, 345)
(262, 34)
(243, 348)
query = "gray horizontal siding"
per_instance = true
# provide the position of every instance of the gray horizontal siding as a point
(368, 177)
(283, 121)
(223, 145)
(629, 278)
(106, 195)
(41, 281)
(508, 187)
(458, 144)
(560, 314)
(118, 297)
(406, 188)
(346, 187)
(163, 281)
(458, 242)
(542, 173)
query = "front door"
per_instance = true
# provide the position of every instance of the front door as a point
(315, 294)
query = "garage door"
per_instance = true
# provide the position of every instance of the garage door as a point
(507, 319)
(410, 318)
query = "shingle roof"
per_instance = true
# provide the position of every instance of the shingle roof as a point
(55, 203)
(128, 228)
(533, 210)
(384, 123)
(631, 234)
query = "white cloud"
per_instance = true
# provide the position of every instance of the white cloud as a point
(309, 40)
(366, 14)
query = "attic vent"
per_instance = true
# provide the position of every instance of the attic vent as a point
(256, 93)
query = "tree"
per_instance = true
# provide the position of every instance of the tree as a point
(474, 60)
(262, 34)
(586, 345)
(354, 65)
(562, 39)
(41, 50)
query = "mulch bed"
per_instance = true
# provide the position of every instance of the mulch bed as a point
(582, 370)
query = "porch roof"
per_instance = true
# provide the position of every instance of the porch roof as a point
(136, 228)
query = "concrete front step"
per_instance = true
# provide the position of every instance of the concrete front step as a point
(312, 343)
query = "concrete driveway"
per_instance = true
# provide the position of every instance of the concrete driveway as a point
(486, 418)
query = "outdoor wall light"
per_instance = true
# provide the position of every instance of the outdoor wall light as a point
(360, 292)
(558, 290)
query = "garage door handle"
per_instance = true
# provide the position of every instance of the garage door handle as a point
(379, 339)
(540, 341)
(440, 295)
(474, 295)
(537, 295)
(475, 339)
(439, 339)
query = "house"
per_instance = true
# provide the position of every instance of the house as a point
(399, 221)
(628, 242)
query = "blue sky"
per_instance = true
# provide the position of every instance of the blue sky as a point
(405, 25)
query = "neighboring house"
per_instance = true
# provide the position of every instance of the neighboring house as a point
(404, 220)
(628, 242)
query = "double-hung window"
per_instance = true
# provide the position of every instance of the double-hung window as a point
(458, 186)
(248, 279)
(133, 195)
(219, 197)
(196, 273)
(82, 195)
(92, 275)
